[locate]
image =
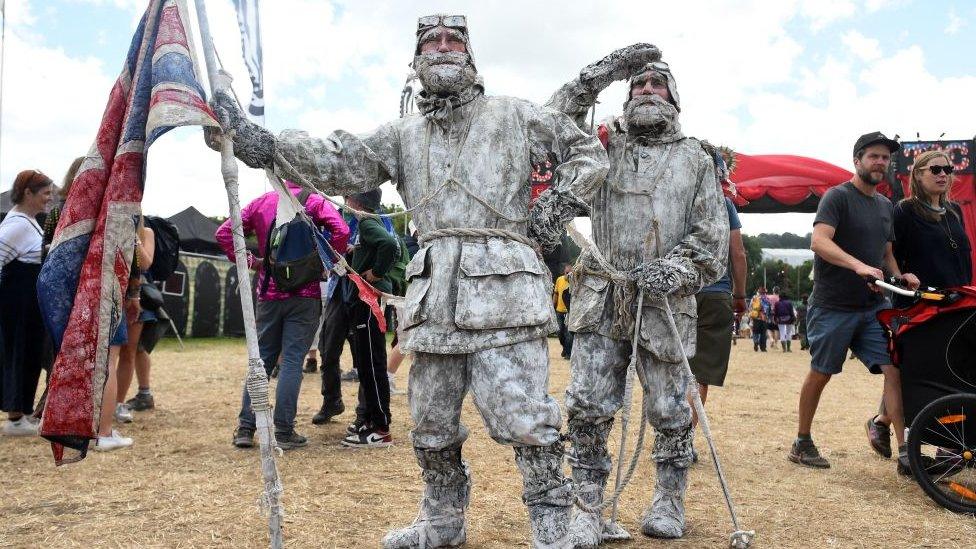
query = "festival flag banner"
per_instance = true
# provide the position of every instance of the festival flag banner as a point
(83, 282)
(371, 297)
(249, 21)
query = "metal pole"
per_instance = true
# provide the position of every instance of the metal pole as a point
(3, 56)
(739, 539)
(256, 381)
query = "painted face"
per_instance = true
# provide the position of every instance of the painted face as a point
(873, 164)
(442, 39)
(650, 114)
(443, 65)
(650, 83)
(935, 183)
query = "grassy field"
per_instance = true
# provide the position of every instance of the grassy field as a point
(184, 485)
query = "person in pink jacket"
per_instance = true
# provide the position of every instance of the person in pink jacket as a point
(286, 321)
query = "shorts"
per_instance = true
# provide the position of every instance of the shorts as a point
(832, 332)
(785, 332)
(715, 317)
(121, 335)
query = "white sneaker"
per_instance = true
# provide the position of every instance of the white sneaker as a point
(113, 442)
(123, 414)
(393, 389)
(23, 427)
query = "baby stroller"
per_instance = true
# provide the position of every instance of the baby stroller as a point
(934, 344)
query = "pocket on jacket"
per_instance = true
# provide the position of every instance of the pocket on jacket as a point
(589, 297)
(417, 274)
(656, 335)
(501, 284)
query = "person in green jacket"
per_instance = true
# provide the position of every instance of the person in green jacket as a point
(373, 251)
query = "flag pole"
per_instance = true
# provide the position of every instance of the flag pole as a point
(256, 381)
(3, 56)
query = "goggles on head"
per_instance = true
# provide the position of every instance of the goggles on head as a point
(647, 72)
(428, 22)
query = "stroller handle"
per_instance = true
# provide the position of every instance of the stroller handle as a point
(895, 289)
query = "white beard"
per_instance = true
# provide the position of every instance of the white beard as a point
(650, 114)
(446, 73)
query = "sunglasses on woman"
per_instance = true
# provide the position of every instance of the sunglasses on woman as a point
(936, 170)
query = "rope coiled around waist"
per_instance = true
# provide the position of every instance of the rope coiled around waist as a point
(471, 232)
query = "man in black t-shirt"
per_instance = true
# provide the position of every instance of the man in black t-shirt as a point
(852, 236)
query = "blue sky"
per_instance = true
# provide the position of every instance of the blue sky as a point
(790, 76)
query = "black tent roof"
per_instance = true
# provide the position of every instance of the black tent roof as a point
(197, 232)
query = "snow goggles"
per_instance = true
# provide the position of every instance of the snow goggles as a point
(648, 69)
(936, 170)
(428, 22)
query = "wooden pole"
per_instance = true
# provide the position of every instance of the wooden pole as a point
(256, 381)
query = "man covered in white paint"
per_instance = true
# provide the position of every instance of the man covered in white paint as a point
(659, 221)
(478, 310)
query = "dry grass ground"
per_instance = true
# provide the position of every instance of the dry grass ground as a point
(183, 485)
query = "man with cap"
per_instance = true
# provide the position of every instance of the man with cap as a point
(852, 243)
(477, 310)
(660, 223)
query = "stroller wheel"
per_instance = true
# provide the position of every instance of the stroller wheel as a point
(942, 451)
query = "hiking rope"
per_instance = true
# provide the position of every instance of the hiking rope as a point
(471, 232)
(620, 483)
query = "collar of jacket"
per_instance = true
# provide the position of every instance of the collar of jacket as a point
(440, 109)
(620, 125)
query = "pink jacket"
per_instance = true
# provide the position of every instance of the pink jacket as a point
(259, 215)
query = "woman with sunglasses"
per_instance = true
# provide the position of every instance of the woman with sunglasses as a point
(930, 239)
(931, 242)
(22, 336)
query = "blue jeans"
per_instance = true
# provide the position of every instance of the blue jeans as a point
(285, 328)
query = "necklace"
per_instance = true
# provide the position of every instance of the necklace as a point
(948, 232)
(931, 208)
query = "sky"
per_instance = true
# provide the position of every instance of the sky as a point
(802, 77)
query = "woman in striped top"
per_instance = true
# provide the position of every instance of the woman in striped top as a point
(21, 328)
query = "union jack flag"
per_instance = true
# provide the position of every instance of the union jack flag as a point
(83, 282)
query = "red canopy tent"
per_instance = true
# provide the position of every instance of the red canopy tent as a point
(779, 183)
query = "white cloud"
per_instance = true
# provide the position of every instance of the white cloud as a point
(824, 12)
(955, 24)
(866, 49)
(43, 126)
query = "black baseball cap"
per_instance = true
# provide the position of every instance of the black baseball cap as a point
(875, 138)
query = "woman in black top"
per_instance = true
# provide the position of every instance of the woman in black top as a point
(930, 239)
(21, 327)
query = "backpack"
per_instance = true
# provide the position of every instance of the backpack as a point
(398, 272)
(290, 253)
(755, 308)
(166, 238)
(783, 312)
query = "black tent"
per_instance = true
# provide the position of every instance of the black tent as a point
(5, 203)
(197, 232)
